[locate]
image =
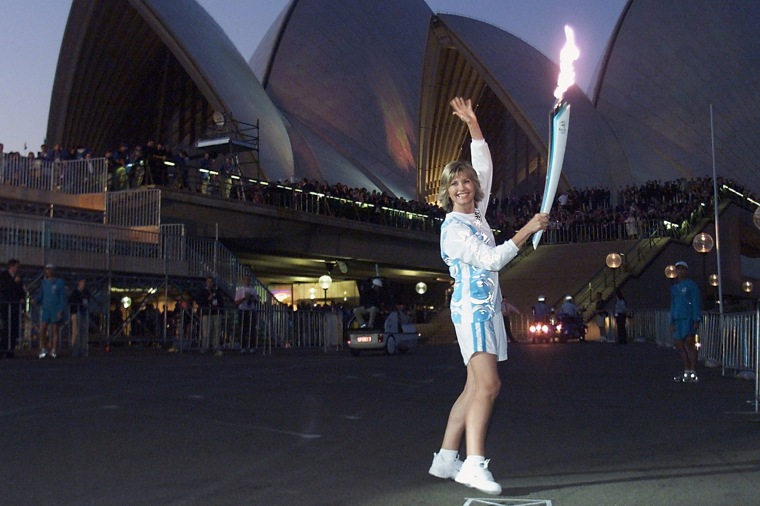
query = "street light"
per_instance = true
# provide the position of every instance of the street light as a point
(748, 286)
(613, 261)
(420, 288)
(703, 244)
(324, 283)
(670, 272)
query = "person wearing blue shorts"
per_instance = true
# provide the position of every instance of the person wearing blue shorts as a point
(685, 317)
(52, 302)
(474, 260)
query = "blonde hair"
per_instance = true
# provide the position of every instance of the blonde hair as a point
(451, 171)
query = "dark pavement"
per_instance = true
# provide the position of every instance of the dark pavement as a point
(576, 424)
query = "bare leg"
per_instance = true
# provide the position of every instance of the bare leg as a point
(485, 375)
(691, 347)
(452, 437)
(681, 347)
(74, 330)
(54, 349)
(43, 335)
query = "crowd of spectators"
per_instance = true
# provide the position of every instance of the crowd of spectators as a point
(677, 202)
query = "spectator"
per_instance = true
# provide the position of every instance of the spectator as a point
(396, 319)
(79, 305)
(506, 310)
(600, 316)
(52, 302)
(210, 302)
(207, 165)
(247, 302)
(621, 316)
(12, 295)
(225, 177)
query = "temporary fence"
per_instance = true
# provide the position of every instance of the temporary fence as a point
(66, 176)
(210, 330)
(20, 328)
(138, 208)
(730, 340)
(199, 330)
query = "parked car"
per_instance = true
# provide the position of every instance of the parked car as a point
(396, 336)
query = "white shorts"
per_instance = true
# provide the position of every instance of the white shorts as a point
(489, 336)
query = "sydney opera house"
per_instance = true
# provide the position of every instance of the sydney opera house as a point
(355, 92)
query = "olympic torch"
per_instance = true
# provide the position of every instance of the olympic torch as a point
(559, 119)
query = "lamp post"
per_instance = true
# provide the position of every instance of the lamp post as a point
(613, 261)
(324, 283)
(703, 244)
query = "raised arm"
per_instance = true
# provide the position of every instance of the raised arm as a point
(463, 111)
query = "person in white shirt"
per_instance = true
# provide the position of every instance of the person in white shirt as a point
(247, 302)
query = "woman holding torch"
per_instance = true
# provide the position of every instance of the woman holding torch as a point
(469, 249)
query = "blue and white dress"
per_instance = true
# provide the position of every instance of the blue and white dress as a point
(469, 249)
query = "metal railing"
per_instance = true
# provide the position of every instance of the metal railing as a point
(731, 343)
(136, 208)
(196, 330)
(66, 176)
(600, 232)
(204, 330)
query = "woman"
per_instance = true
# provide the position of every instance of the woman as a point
(474, 260)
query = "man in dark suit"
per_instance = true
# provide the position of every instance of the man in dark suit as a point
(12, 295)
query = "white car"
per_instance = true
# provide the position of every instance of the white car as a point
(399, 340)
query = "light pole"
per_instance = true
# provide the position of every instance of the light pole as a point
(324, 283)
(613, 261)
(703, 244)
(420, 313)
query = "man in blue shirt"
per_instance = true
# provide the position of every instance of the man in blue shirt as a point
(685, 317)
(52, 302)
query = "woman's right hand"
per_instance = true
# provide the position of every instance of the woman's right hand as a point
(539, 222)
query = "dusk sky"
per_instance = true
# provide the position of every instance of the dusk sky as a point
(31, 33)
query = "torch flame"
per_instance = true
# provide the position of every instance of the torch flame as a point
(567, 56)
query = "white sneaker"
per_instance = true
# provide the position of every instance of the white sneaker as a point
(43, 353)
(446, 469)
(477, 475)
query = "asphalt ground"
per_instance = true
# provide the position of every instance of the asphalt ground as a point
(575, 424)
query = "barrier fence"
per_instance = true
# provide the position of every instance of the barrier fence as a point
(137, 209)
(731, 340)
(198, 330)
(66, 176)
